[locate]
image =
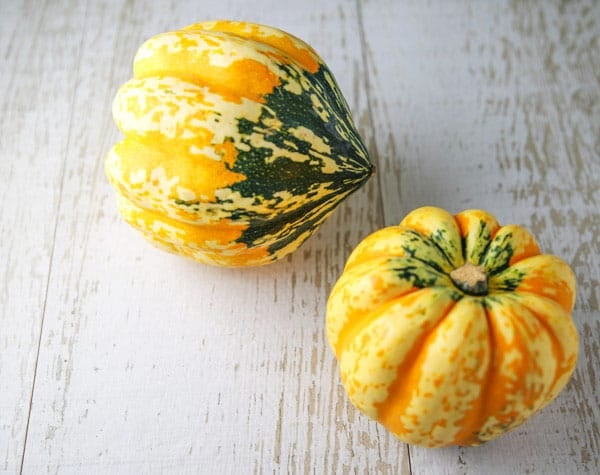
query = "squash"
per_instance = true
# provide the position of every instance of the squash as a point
(238, 143)
(452, 330)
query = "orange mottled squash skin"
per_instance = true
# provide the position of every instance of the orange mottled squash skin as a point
(238, 143)
(438, 362)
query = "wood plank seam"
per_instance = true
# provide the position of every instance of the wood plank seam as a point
(54, 234)
(374, 149)
(372, 146)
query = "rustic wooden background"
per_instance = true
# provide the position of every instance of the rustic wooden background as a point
(118, 358)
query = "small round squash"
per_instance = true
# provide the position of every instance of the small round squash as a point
(238, 143)
(452, 330)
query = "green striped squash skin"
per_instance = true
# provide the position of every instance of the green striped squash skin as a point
(238, 143)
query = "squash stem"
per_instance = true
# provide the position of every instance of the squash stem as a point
(470, 279)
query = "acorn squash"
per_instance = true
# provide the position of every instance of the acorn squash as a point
(452, 330)
(238, 143)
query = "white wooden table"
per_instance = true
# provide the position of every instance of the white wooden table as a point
(118, 358)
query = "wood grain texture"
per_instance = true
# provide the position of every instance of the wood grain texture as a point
(39, 71)
(118, 358)
(497, 106)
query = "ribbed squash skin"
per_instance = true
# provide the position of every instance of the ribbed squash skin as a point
(238, 143)
(436, 365)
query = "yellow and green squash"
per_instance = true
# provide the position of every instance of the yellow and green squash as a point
(238, 143)
(452, 330)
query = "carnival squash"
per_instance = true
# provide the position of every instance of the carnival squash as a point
(238, 143)
(451, 330)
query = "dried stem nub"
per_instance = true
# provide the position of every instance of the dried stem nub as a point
(470, 279)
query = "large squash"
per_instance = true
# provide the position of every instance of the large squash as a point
(451, 330)
(238, 143)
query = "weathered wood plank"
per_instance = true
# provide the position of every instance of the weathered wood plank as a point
(150, 363)
(38, 55)
(497, 106)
